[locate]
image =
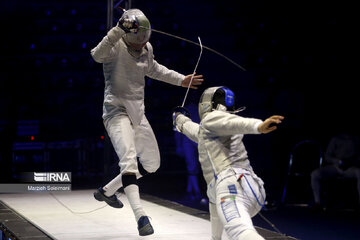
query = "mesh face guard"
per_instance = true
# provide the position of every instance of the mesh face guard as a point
(139, 38)
(206, 101)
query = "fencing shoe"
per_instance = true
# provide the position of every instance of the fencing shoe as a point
(144, 226)
(112, 201)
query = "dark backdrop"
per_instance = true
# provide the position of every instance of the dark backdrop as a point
(299, 55)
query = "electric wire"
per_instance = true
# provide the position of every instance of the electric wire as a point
(76, 212)
(272, 225)
(197, 44)
(262, 205)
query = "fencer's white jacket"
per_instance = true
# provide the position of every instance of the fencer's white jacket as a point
(125, 75)
(219, 136)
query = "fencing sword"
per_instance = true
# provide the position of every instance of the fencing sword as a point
(197, 44)
(182, 109)
(192, 77)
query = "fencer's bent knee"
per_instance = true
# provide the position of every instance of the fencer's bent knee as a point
(148, 168)
(145, 169)
(152, 169)
(142, 170)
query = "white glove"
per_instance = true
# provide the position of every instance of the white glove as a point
(115, 34)
(176, 112)
(180, 119)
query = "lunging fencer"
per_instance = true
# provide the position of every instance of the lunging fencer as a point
(235, 192)
(127, 57)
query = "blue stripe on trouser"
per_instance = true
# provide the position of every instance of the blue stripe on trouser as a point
(253, 192)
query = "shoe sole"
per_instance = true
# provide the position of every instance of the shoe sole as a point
(98, 196)
(146, 230)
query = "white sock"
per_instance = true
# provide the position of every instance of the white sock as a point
(113, 186)
(133, 195)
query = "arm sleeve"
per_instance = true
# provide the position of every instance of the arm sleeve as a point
(107, 49)
(188, 127)
(162, 73)
(224, 124)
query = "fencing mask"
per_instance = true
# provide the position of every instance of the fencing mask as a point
(138, 39)
(217, 98)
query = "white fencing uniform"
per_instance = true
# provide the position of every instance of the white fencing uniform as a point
(235, 192)
(123, 109)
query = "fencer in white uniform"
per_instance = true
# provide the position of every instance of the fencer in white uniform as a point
(235, 192)
(127, 58)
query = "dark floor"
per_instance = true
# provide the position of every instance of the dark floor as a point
(301, 223)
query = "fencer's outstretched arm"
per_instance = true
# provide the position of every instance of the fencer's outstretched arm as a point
(162, 73)
(187, 127)
(223, 124)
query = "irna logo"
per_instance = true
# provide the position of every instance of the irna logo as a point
(52, 177)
